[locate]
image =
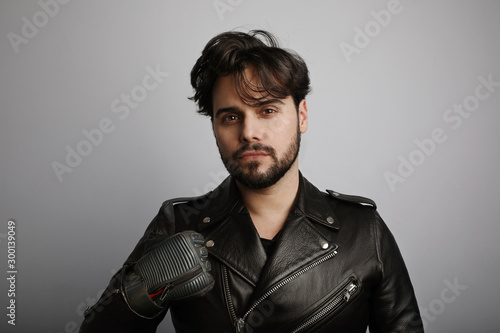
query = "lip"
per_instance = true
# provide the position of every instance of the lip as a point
(250, 155)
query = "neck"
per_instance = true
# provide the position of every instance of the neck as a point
(269, 207)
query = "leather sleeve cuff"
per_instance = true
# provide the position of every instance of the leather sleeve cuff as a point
(137, 297)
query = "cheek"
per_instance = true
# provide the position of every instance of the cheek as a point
(223, 141)
(279, 127)
(285, 130)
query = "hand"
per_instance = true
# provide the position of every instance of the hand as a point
(176, 268)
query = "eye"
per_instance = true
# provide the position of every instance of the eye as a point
(230, 118)
(268, 111)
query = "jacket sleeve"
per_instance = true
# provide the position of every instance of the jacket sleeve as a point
(393, 307)
(112, 312)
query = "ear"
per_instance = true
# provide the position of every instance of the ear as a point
(303, 116)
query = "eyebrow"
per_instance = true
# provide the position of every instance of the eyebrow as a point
(258, 104)
(270, 101)
(226, 110)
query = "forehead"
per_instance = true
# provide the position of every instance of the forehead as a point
(224, 89)
(245, 88)
(225, 98)
(242, 84)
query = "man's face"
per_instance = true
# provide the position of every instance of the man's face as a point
(258, 144)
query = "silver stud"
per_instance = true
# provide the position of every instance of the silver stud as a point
(206, 219)
(330, 220)
(209, 243)
(324, 245)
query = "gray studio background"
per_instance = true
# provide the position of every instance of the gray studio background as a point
(404, 110)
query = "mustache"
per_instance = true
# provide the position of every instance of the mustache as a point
(254, 147)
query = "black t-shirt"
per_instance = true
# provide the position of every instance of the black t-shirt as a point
(268, 245)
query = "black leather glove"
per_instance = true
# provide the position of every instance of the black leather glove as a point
(176, 268)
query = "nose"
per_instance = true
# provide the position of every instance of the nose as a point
(251, 131)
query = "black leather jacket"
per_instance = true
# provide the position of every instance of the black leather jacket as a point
(335, 268)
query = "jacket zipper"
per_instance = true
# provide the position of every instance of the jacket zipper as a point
(188, 276)
(239, 323)
(342, 297)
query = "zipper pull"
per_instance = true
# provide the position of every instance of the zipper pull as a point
(165, 291)
(240, 325)
(351, 288)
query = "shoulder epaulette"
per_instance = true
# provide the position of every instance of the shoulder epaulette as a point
(181, 200)
(168, 205)
(353, 198)
(176, 201)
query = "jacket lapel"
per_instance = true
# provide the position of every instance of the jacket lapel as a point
(230, 234)
(232, 238)
(300, 244)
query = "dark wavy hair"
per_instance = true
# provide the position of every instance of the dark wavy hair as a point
(280, 72)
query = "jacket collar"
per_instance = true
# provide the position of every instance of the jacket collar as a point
(313, 203)
(228, 228)
(226, 199)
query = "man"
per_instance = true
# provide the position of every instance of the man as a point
(266, 251)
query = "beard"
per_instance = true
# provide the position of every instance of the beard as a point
(258, 180)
